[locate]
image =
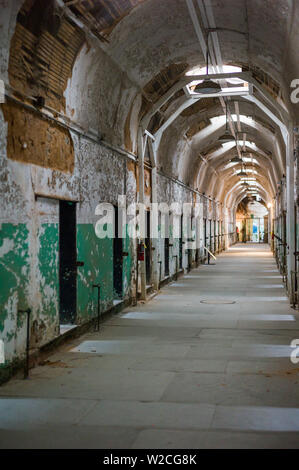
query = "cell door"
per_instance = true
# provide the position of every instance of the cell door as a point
(67, 262)
(117, 257)
(166, 256)
(221, 228)
(296, 238)
(181, 243)
(266, 235)
(214, 236)
(210, 235)
(191, 237)
(284, 238)
(166, 245)
(205, 236)
(148, 248)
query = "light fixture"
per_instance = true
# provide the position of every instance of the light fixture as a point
(227, 136)
(236, 159)
(207, 86)
(243, 171)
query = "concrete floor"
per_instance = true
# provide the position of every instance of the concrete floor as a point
(174, 372)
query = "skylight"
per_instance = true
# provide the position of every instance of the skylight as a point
(225, 69)
(248, 170)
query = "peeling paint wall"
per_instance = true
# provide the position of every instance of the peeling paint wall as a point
(34, 140)
(42, 163)
(57, 164)
(29, 250)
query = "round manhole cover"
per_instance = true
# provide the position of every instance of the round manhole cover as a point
(218, 302)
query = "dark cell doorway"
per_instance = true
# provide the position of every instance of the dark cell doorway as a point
(181, 244)
(205, 236)
(189, 259)
(166, 244)
(222, 236)
(148, 248)
(215, 236)
(67, 262)
(166, 256)
(190, 240)
(117, 256)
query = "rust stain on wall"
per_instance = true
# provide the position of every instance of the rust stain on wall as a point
(131, 166)
(147, 182)
(127, 131)
(31, 139)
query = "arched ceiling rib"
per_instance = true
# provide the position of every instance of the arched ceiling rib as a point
(202, 149)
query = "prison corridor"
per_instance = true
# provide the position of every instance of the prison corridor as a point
(206, 363)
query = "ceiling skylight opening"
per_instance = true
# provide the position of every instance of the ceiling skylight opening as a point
(230, 165)
(228, 145)
(248, 170)
(225, 69)
(248, 143)
(249, 160)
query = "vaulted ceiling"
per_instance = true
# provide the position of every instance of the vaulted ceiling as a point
(128, 54)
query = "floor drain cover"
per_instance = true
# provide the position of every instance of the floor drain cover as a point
(217, 302)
